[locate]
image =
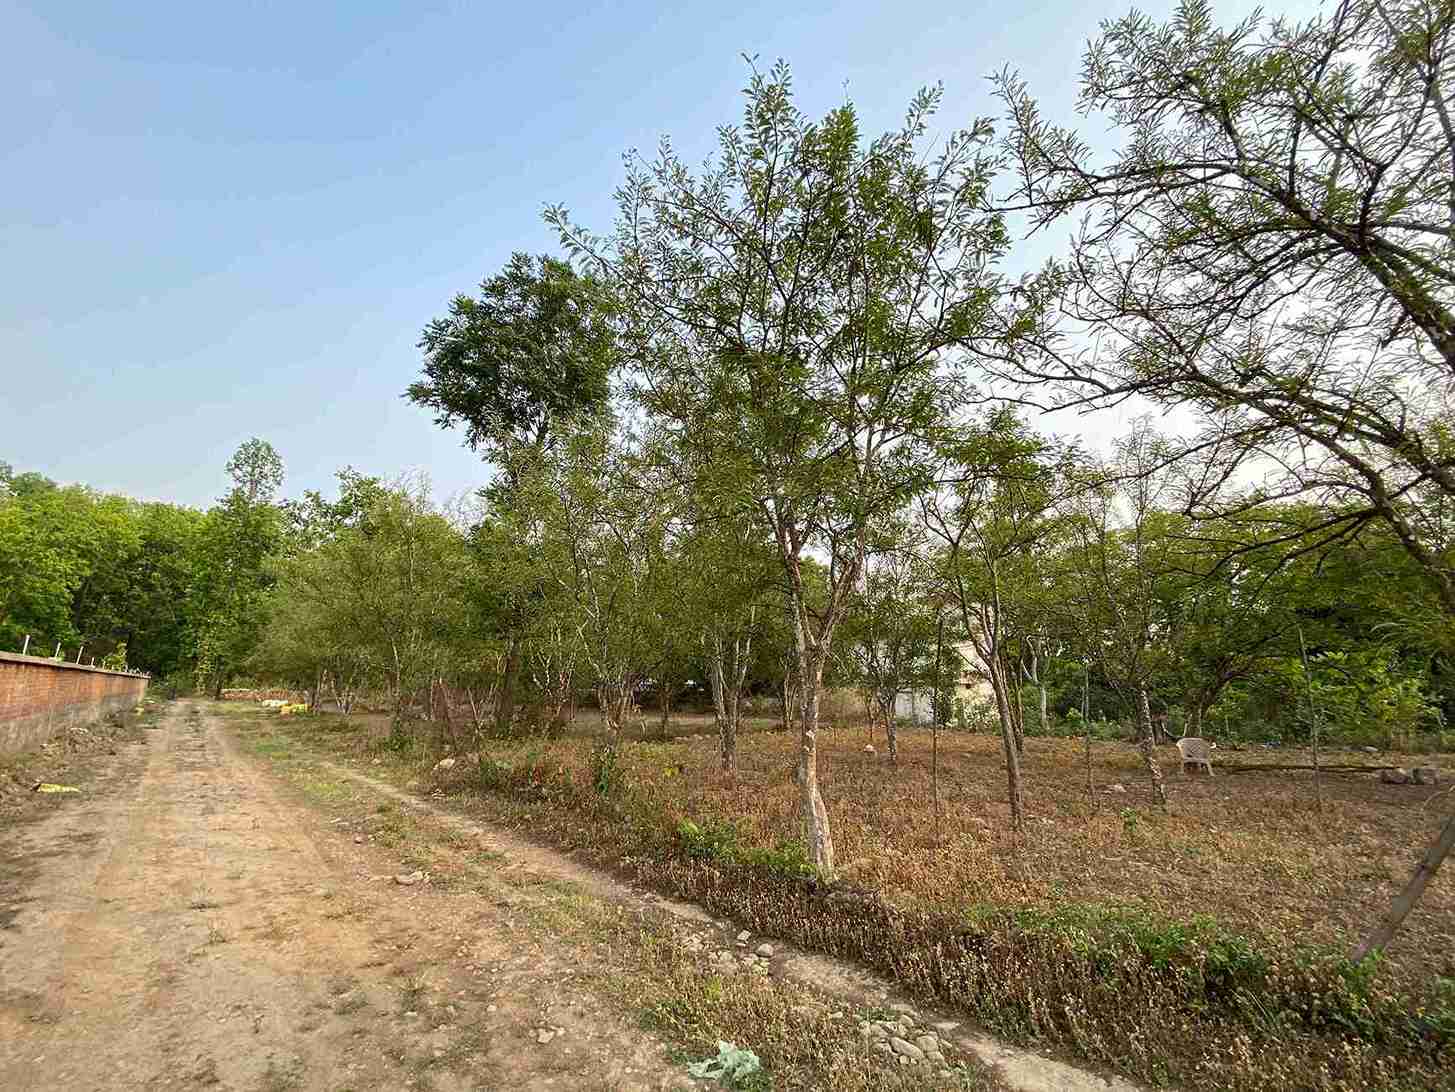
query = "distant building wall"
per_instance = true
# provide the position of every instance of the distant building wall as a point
(39, 697)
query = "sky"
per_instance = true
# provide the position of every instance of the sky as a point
(224, 221)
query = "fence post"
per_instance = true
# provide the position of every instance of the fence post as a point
(26, 647)
(78, 653)
(56, 655)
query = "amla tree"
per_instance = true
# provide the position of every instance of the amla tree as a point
(788, 312)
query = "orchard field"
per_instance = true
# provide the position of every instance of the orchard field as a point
(1105, 901)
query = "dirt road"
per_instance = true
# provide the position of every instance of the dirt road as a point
(186, 923)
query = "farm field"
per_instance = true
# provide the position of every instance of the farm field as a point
(1250, 849)
(1244, 854)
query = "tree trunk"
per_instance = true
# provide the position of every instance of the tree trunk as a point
(891, 730)
(614, 698)
(1040, 682)
(665, 696)
(1013, 705)
(788, 699)
(1405, 901)
(1086, 723)
(999, 686)
(505, 707)
(727, 736)
(817, 836)
(1145, 745)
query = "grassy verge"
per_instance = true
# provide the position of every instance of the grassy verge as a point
(653, 970)
(1162, 1000)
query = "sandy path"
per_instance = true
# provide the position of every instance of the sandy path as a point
(182, 924)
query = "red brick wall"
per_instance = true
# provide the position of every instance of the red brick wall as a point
(38, 697)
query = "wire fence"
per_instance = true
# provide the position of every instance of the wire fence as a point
(40, 648)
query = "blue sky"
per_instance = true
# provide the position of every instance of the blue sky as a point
(220, 221)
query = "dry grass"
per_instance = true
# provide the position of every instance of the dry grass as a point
(1251, 850)
(1246, 853)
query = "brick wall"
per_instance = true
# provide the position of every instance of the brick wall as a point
(38, 697)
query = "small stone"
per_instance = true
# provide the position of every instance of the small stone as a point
(1116, 787)
(444, 764)
(409, 879)
(743, 937)
(489, 1008)
(928, 1043)
(358, 839)
(1396, 776)
(869, 749)
(544, 1036)
(764, 951)
(906, 1049)
(1370, 750)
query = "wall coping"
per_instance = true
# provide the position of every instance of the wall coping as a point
(46, 661)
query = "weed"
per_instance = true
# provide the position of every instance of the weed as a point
(1129, 818)
(606, 772)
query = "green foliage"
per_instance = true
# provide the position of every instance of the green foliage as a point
(532, 352)
(383, 601)
(115, 660)
(717, 840)
(1130, 817)
(607, 776)
(713, 841)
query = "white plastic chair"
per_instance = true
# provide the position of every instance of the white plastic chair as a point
(1196, 750)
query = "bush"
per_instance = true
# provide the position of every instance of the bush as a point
(606, 772)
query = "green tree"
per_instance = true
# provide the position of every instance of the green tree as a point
(235, 545)
(791, 311)
(998, 507)
(384, 600)
(1270, 248)
(1122, 547)
(49, 542)
(889, 638)
(534, 350)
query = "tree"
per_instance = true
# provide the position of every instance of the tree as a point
(997, 506)
(257, 470)
(890, 637)
(385, 597)
(518, 366)
(790, 312)
(535, 349)
(49, 543)
(235, 546)
(1122, 548)
(726, 598)
(1272, 248)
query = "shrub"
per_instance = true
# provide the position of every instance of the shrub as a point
(607, 775)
